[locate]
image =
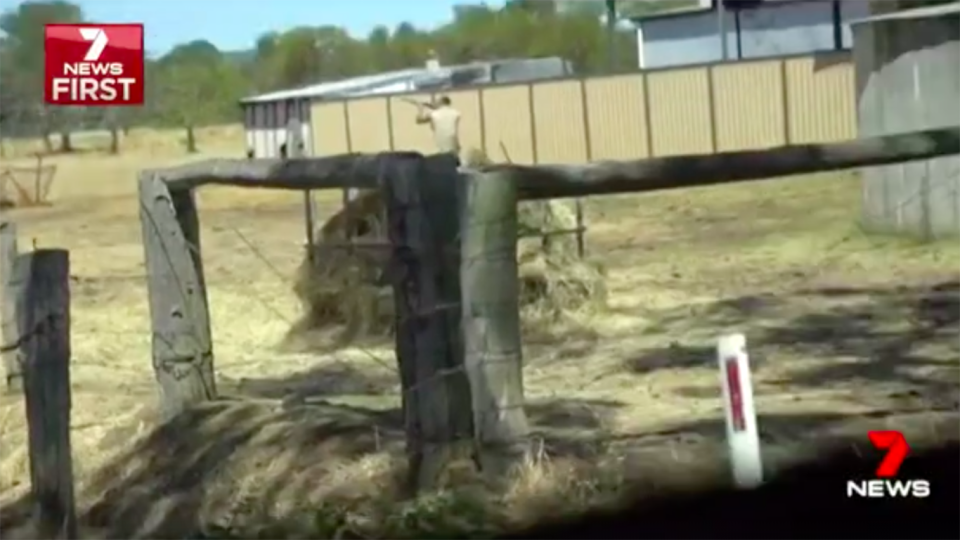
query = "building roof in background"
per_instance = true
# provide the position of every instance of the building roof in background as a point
(514, 69)
(915, 13)
(336, 87)
(702, 7)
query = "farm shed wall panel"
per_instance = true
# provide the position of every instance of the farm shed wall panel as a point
(561, 136)
(407, 134)
(329, 122)
(734, 105)
(368, 132)
(249, 129)
(305, 125)
(617, 117)
(680, 112)
(749, 108)
(281, 111)
(508, 122)
(272, 130)
(259, 124)
(821, 105)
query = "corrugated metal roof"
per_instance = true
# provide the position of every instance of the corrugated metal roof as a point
(506, 70)
(700, 8)
(915, 13)
(342, 87)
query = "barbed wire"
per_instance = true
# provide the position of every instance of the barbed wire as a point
(834, 251)
(40, 327)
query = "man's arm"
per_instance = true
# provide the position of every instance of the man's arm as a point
(423, 115)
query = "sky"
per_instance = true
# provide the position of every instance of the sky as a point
(236, 24)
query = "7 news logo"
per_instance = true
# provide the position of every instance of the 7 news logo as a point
(93, 64)
(886, 484)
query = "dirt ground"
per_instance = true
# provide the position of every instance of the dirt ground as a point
(846, 332)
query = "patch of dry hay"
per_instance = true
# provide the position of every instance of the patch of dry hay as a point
(340, 284)
(343, 285)
(253, 469)
(554, 280)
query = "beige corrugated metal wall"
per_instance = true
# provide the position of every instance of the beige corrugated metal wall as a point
(508, 123)
(701, 109)
(820, 98)
(560, 133)
(366, 127)
(617, 119)
(680, 110)
(407, 134)
(329, 128)
(749, 111)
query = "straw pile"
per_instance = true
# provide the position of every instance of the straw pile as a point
(344, 287)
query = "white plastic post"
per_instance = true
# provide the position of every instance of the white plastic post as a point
(743, 440)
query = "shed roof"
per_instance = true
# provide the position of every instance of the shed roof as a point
(507, 70)
(912, 14)
(337, 87)
(688, 11)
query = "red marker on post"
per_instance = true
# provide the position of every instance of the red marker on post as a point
(743, 440)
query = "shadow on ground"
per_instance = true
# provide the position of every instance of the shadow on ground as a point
(692, 454)
(232, 459)
(908, 336)
(335, 378)
(247, 462)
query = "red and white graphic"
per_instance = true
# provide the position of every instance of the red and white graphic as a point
(743, 438)
(94, 65)
(886, 484)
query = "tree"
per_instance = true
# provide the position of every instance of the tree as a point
(23, 58)
(197, 87)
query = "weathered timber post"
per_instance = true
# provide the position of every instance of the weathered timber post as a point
(179, 316)
(491, 318)
(421, 200)
(43, 305)
(12, 358)
(297, 149)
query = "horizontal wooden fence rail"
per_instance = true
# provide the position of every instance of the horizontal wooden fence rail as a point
(598, 178)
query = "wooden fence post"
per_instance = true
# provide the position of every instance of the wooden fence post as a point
(491, 317)
(181, 340)
(43, 307)
(297, 149)
(12, 358)
(421, 200)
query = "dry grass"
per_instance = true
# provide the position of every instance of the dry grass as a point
(847, 331)
(141, 141)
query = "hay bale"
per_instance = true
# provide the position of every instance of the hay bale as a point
(343, 286)
(554, 280)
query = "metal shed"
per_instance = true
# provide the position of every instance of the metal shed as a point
(907, 79)
(266, 116)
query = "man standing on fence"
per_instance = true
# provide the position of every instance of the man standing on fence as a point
(444, 120)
